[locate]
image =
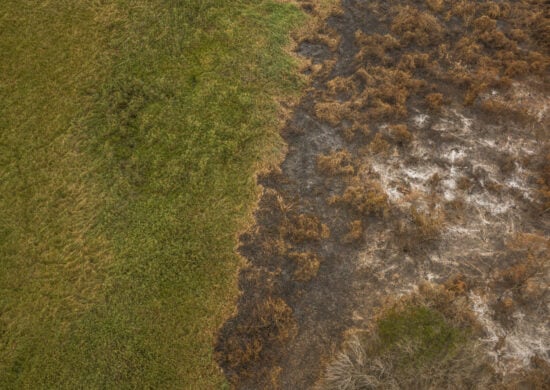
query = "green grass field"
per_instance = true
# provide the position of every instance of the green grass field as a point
(130, 132)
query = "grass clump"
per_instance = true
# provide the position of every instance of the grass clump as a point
(306, 227)
(336, 163)
(365, 196)
(414, 26)
(423, 341)
(307, 265)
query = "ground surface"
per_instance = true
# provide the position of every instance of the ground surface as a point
(419, 153)
(130, 132)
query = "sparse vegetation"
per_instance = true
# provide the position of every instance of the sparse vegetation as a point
(336, 163)
(365, 196)
(307, 265)
(270, 322)
(306, 228)
(355, 232)
(423, 341)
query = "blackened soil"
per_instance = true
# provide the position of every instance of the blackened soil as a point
(449, 166)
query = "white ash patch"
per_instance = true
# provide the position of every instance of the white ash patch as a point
(421, 120)
(525, 340)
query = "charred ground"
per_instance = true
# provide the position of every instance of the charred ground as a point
(419, 153)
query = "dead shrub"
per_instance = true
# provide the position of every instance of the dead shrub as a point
(464, 9)
(307, 265)
(365, 196)
(336, 163)
(518, 35)
(434, 101)
(411, 62)
(428, 223)
(540, 29)
(306, 228)
(421, 228)
(375, 47)
(332, 112)
(379, 145)
(435, 5)
(494, 39)
(349, 132)
(342, 85)
(468, 50)
(491, 9)
(400, 134)
(484, 23)
(414, 26)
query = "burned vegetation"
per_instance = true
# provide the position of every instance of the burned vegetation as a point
(419, 153)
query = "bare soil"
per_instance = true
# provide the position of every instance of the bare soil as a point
(419, 153)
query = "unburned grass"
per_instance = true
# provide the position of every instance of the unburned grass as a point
(130, 135)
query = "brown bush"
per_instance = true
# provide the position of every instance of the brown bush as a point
(414, 26)
(379, 145)
(468, 50)
(411, 62)
(464, 9)
(435, 5)
(400, 134)
(306, 228)
(484, 23)
(336, 163)
(307, 265)
(342, 85)
(435, 101)
(367, 197)
(516, 68)
(332, 112)
(535, 377)
(375, 47)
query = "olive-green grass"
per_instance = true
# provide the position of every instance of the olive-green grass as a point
(130, 132)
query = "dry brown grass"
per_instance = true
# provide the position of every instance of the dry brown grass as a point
(435, 5)
(355, 232)
(365, 196)
(464, 9)
(400, 134)
(336, 163)
(270, 322)
(413, 61)
(332, 112)
(375, 47)
(379, 145)
(414, 26)
(305, 228)
(535, 377)
(434, 101)
(421, 228)
(307, 265)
